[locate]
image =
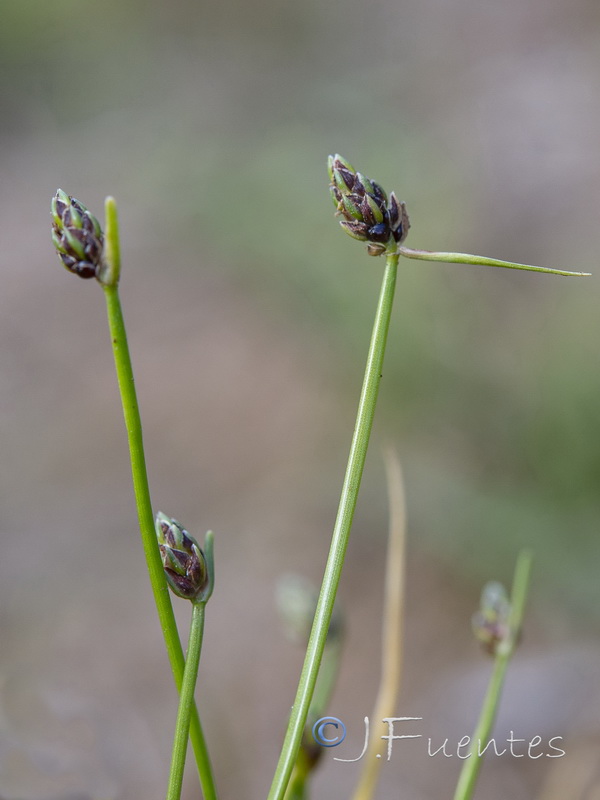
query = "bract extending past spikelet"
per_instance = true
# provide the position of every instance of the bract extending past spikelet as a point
(77, 235)
(368, 214)
(184, 562)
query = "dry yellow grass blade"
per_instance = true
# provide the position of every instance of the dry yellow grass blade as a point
(393, 624)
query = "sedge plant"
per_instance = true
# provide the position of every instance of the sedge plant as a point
(86, 251)
(368, 215)
(382, 223)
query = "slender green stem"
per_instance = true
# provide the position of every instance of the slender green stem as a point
(328, 674)
(341, 532)
(297, 788)
(472, 764)
(142, 494)
(186, 701)
(483, 261)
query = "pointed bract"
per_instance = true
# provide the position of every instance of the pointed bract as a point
(399, 221)
(373, 213)
(341, 161)
(363, 184)
(358, 230)
(335, 195)
(351, 207)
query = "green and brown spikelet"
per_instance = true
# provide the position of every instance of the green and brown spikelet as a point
(369, 215)
(77, 235)
(183, 560)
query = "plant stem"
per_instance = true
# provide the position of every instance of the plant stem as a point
(341, 532)
(483, 261)
(472, 765)
(142, 492)
(297, 788)
(186, 701)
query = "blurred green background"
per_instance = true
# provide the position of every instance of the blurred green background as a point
(249, 315)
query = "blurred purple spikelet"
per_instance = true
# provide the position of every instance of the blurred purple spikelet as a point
(490, 623)
(184, 562)
(369, 215)
(77, 235)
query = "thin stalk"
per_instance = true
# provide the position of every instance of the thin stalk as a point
(483, 261)
(297, 788)
(472, 764)
(142, 492)
(186, 702)
(341, 532)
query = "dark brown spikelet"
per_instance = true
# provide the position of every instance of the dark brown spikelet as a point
(368, 215)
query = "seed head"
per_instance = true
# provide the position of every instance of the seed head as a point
(490, 623)
(368, 214)
(183, 560)
(77, 235)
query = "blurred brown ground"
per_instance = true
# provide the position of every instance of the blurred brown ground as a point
(249, 317)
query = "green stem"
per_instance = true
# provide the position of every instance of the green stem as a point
(186, 701)
(472, 765)
(142, 492)
(297, 788)
(483, 261)
(341, 532)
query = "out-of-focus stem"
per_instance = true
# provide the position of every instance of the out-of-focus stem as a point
(472, 765)
(392, 626)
